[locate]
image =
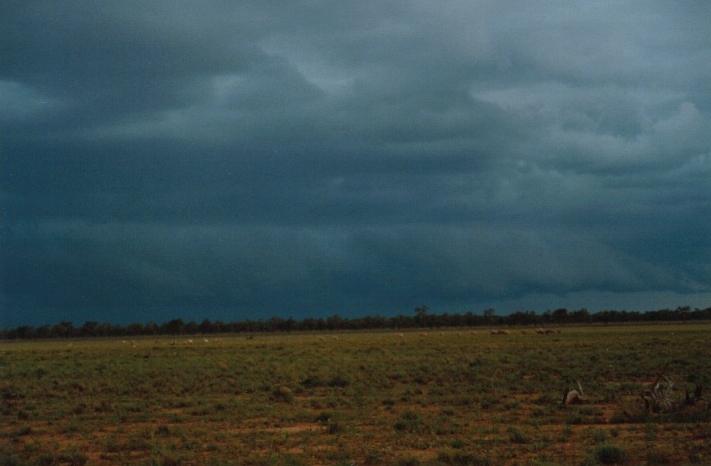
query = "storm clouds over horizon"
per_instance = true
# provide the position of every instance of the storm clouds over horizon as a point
(231, 160)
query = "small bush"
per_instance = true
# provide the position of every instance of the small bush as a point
(462, 459)
(333, 427)
(517, 435)
(409, 422)
(324, 417)
(458, 443)
(373, 457)
(610, 454)
(409, 462)
(659, 457)
(27, 430)
(283, 394)
(312, 381)
(73, 458)
(170, 460)
(338, 381)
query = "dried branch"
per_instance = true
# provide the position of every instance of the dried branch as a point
(573, 396)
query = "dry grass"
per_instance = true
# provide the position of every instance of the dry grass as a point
(361, 398)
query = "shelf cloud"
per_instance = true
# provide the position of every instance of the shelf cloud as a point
(209, 159)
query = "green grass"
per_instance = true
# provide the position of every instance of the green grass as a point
(359, 398)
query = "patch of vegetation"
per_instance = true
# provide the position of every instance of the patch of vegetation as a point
(611, 454)
(449, 398)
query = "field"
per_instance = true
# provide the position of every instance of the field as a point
(452, 397)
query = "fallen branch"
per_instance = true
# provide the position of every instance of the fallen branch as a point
(657, 398)
(573, 396)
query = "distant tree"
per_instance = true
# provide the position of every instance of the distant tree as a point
(335, 322)
(173, 327)
(684, 312)
(218, 326)
(191, 328)
(89, 329)
(206, 326)
(134, 329)
(25, 332)
(581, 316)
(400, 321)
(63, 329)
(308, 324)
(470, 319)
(151, 328)
(489, 314)
(105, 329)
(44, 331)
(560, 315)
(421, 315)
(522, 318)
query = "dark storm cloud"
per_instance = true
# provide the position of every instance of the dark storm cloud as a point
(220, 160)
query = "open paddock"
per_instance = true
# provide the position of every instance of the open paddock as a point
(391, 398)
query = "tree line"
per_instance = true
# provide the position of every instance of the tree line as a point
(422, 318)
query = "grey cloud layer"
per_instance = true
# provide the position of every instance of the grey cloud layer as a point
(318, 157)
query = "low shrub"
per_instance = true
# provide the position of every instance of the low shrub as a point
(610, 454)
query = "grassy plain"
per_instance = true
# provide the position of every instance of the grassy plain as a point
(447, 398)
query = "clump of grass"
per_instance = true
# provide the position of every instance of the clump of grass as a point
(610, 454)
(595, 435)
(312, 381)
(72, 457)
(324, 417)
(338, 381)
(169, 459)
(462, 459)
(283, 394)
(373, 457)
(409, 422)
(333, 427)
(409, 462)
(659, 457)
(24, 431)
(516, 435)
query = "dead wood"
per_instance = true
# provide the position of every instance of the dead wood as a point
(573, 396)
(691, 399)
(657, 398)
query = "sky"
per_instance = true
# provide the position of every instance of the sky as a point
(242, 160)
